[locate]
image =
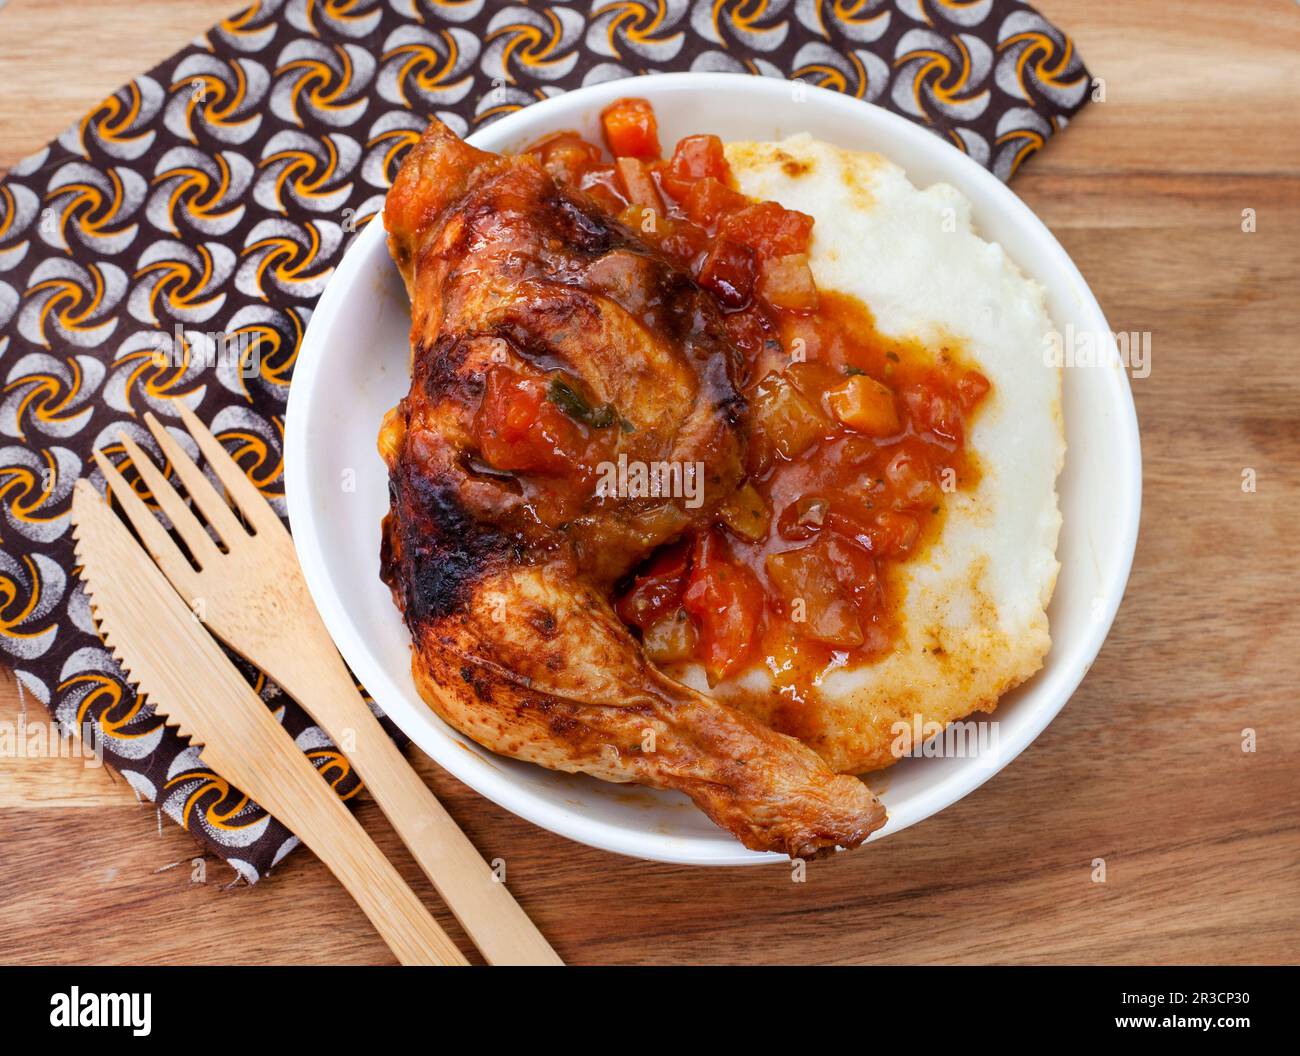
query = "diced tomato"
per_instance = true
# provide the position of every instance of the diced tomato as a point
(709, 199)
(639, 184)
(933, 412)
(769, 229)
(813, 596)
(566, 156)
(750, 330)
(699, 157)
(803, 518)
(657, 590)
(862, 403)
(683, 240)
(726, 600)
(856, 571)
(971, 387)
(518, 428)
(630, 129)
(728, 271)
(886, 534)
(911, 480)
(896, 533)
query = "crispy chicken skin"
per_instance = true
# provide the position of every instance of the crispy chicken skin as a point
(505, 587)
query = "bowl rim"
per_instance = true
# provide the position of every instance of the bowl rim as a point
(1055, 683)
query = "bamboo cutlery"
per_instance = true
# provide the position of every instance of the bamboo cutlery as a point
(248, 590)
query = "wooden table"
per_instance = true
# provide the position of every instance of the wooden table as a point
(1144, 768)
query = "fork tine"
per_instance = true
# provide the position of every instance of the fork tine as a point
(251, 502)
(214, 507)
(161, 546)
(182, 517)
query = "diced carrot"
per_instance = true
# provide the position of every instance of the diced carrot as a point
(630, 129)
(697, 157)
(862, 403)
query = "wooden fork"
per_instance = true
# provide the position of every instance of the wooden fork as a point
(251, 593)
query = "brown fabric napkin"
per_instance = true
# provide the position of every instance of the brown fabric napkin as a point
(202, 208)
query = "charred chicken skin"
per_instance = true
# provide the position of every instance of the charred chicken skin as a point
(548, 341)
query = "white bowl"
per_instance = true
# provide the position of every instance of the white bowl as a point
(353, 366)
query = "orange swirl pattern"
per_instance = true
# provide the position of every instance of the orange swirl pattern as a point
(307, 172)
(198, 192)
(49, 395)
(170, 246)
(119, 126)
(94, 207)
(326, 84)
(421, 67)
(218, 99)
(622, 28)
(151, 370)
(528, 43)
(181, 281)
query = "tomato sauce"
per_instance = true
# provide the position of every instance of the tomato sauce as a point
(854, 437)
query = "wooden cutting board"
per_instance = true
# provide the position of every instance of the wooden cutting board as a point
(1144, 768)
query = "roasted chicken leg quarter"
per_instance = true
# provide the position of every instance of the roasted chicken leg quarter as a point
(548, 342)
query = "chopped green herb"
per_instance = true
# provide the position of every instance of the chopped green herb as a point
(572, 403)
(851, 371)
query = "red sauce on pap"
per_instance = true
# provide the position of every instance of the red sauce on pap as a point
(854, 440)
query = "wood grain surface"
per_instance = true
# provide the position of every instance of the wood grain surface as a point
(1143, 768)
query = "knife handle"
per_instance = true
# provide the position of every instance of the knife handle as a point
(318, 679)
(287, 785)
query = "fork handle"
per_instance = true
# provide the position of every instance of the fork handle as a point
(485, 908)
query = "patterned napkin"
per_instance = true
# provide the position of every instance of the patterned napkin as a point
(171, 245)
